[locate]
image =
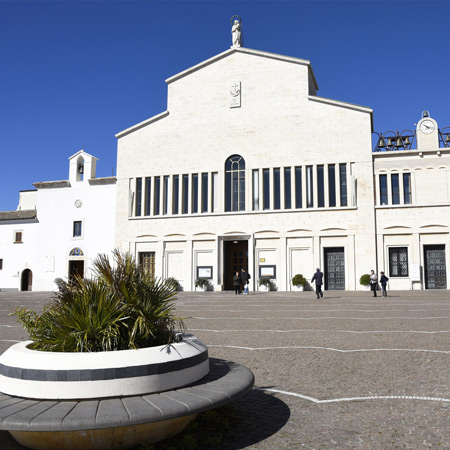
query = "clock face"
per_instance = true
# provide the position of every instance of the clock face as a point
(427, 126)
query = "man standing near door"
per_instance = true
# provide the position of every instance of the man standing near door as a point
(244, 279)
(318, 278)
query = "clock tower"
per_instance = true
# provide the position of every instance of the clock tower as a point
(427, 133)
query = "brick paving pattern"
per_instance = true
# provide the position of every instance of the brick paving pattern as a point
(347, 371)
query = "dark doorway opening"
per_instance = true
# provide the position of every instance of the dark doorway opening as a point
(235, 256)
(435, 273)
(26, 281)
(334, 268)
(76, 268)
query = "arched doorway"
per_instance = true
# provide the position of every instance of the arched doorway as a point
(26, 280)
(76, 263)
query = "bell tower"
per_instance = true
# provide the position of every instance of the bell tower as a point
(427, 133)
(82, 167)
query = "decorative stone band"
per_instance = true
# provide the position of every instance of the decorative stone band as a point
(55, 375)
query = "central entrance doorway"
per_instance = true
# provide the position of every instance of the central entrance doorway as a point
(235, 256)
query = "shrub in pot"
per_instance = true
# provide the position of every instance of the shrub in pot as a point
(202, 283)
(299, 281)
(266, 283)
(365, 280)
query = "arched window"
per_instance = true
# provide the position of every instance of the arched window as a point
(76, 252)
(235, 183)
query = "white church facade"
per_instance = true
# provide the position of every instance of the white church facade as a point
(58, 228)
(239, 171)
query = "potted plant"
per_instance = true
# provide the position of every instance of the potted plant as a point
(265, 284)
(106, 329)
(176, 284)
(202, 284)
(299, 282)
(365, 281)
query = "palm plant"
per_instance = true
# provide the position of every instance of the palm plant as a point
(120, 308)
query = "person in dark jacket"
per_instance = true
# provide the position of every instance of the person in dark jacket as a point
(383, 281)
(318, 278)
(244, 278)
(237, 283)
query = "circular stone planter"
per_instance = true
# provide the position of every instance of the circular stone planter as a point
(37, 374)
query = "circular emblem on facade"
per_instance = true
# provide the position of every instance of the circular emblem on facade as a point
(78, 203)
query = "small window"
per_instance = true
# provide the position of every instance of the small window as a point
(320, 187)
(1, 264)
(407, 188)
(383, 190)
(276, 188)
(18, 237)
(204, 192)
(298, 187)
(157, 193)
(138, 197)
(332, 185)
(175, 194)
(194, 193)
(266, 188)
(148, 191)
(398, 262)
(77, 228)
(395, 189)
(287, 188)
(309, 187)
(343, 183)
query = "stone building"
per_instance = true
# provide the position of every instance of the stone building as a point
(239, 171)
(58, 228)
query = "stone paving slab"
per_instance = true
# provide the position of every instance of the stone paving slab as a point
(347, 371)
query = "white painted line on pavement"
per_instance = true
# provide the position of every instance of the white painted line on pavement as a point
(318, 318)
(307, 347)
(353, 399)
(320, 331)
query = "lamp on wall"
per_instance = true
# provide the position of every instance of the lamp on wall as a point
(395, 141)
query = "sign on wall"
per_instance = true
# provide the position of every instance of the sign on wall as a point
(268, 271)
(205, 272)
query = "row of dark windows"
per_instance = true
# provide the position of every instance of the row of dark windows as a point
(395, 189)
(315, 177)
(272, 191)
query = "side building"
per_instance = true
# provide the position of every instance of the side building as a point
(58, 228)
(413, 206)
(248, 167)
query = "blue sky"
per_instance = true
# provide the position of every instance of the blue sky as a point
(75, 73)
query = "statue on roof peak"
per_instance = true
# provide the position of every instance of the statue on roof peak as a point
(236, 32)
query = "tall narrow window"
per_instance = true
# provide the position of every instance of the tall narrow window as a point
(266, 189)
(195, 193)
(148, 191)
(165, 194)
(175, 194)
(138, 197)
(320, 187)
(298, 187)
(407, 189)
(18, 237)
(332, 185)
(215, 192)
(157, 196)
(276, 189)
(204, 192)
(287, 188)
(398, 262)
(185, 194)
(77, 228)
(395, 189)
(309, 187)
(383, 190)
(255, 190)
(343, 183)
(1, 264)
(235, 183)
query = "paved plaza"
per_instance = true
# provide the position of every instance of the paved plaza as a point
(347, 371)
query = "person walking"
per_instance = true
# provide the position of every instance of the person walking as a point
(245, 276)
(373, 282)
(237, 283)
(318, 278)
(383, 281)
